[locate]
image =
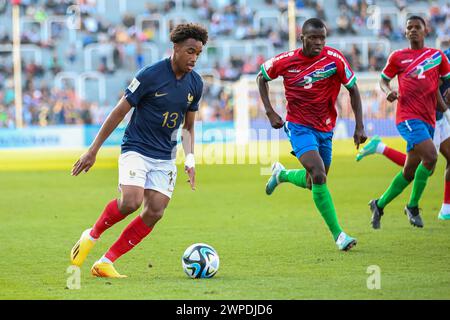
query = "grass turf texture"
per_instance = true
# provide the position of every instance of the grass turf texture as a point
(270, 247)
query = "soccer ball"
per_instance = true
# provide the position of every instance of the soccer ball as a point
(200, 261)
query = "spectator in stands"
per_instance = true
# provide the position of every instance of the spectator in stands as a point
(3, 6)
(168, 6)
(344, 22)
(377, 58)
(55, 65)
(3, 116)
(33, 69)
(353, 55)
(387, 30)
(71, 54)
(320, 12)
(150, 8)
(85, 113)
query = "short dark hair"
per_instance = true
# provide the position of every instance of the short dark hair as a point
(186, 31)
(314, 23)
(417, 18)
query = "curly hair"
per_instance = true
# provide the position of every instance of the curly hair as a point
(186, 31)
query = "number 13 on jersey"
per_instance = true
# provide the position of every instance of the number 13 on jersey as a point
(170, 119)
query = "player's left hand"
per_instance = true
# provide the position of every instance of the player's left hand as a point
(191, 174)
(359, 137)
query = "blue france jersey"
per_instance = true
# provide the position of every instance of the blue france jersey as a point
(443, 87)
(160, 104)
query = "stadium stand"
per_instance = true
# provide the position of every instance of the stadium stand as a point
(78, 56)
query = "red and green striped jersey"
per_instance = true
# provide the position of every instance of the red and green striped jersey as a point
(311, 85)
(418, 73)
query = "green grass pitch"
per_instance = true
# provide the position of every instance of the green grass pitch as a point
(275, 247)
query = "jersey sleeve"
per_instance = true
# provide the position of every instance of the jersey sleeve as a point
(444, 67)
(391, 69)
(197, 96)
(139, 86)
(345, 72)
(271, 69)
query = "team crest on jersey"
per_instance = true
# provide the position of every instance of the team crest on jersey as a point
(190, 98)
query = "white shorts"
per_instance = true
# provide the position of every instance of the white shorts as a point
(148, 173)
(441, 132)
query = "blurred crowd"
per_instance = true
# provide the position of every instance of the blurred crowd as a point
(122, 48)
(45, 105)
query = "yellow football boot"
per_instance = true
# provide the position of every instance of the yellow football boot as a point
(105, 270)
(81, 249)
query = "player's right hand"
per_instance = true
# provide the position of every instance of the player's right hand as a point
(275, 120)
(85, 162)
(392, 96)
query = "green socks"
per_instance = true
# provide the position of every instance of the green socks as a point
(420, 181)
(397, 186)
(321, 197)
(324, 203)
(297, 177)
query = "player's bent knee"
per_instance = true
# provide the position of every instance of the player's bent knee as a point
(430, 161)
(319, 177)
(151, 217)
(130, 206)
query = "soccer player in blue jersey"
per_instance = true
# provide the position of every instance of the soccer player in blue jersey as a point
(164, 95)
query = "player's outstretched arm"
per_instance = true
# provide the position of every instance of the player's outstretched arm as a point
(391, 95)
(263, 87)
(188, 140)
(359, 135)
(87, 160)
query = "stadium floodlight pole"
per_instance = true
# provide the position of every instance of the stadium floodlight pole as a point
(292, 27)
(17, 62)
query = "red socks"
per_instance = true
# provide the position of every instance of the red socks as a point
(130, 237)
(395, 156)
(447, 192)
(110, 216)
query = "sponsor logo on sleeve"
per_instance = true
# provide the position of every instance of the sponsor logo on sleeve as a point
(134, 85)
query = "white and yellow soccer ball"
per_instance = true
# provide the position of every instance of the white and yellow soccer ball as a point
(200, 260)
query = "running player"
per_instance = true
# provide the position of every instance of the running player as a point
(418, 69)
(163, 95)
(313, 76)
(441, 141)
